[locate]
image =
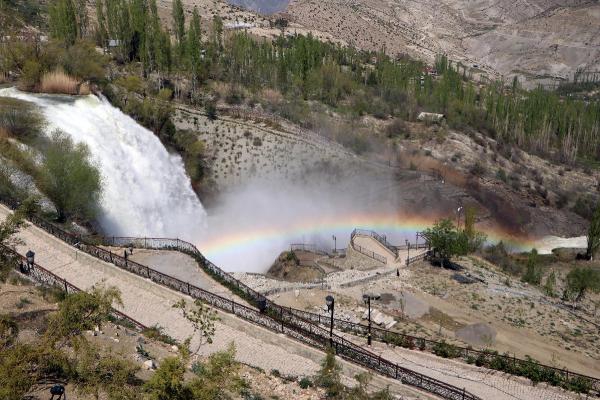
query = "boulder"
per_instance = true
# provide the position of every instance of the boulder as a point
(149, 365)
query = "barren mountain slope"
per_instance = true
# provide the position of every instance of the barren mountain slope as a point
(504, 37)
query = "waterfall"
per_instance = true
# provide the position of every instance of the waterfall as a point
(146, 191)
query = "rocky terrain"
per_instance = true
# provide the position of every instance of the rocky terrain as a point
(533, 39)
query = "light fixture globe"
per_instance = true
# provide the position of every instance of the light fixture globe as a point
(329, 301)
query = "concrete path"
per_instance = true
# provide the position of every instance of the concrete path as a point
(151, 304)
(370, 244)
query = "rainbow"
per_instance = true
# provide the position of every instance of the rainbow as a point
(396, 226)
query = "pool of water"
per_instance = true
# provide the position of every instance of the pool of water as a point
(262, 6)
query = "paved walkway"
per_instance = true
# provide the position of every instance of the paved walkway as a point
(370, 244)
(151, 304)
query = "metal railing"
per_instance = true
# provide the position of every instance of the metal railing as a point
(275, 317)
(382, 239)
(43, 276)
(386, 336)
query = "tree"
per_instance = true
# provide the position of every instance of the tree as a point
(593, 236)
(179, 23)
(81, 311)
(96, 373)
(581, 281)
(63, 21)
(69, 178)
(167, 381)
(446, 240)
(550, 285)
(533, 272)
(217, 376)
(202, 319)
(329, 376)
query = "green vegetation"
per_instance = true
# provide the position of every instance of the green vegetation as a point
(533, 271)
(448, 241)
(69, 178)
(329, 378)
(593, 236)
(350, 81)
(202, 319)
(581, 281)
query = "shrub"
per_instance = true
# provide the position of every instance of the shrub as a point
(446, 350)
(305, 383)
(396, 128)
(478, 169)
(211, 110)
(20, 119)
(501, 175)
(70, 179)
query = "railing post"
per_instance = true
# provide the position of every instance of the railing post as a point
(147, 270)
(189, 291)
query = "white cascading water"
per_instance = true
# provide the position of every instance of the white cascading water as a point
(146, 191)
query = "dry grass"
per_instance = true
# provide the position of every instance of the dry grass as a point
(61, 83)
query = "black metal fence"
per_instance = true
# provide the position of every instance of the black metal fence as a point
(274, 317)
(301, 325)
(480, 357)
(43, 276)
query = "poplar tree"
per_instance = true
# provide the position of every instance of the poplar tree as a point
(194, 47)
(63, 21)
(179, 23)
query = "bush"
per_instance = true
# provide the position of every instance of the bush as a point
(397, 128)
(305, 383)
(478, 169)
(446, 350)
(20, 119)
(211, 110)
(69, 178)
(501, 175)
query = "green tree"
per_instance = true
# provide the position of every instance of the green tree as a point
(95, 373)
(81, 311)
(533, 272)
(550, 285)
(202, 319)
(63, 21)
(69, 178)
(593, 236)
(179, 23)
(167, 381)
(446, 240)
(329, 376)
(217, 377)
(581, 281)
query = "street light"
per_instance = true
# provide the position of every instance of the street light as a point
(458, 211)
(58, 390)
(334, 243)
(330, 304)
(367, 299)
(30, 256)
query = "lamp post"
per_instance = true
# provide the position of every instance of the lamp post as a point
(334, 244)
(30, 256)
(58, 390)
(367, 299)
(329, 300)
(458, 211)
